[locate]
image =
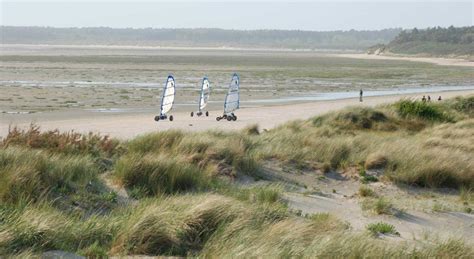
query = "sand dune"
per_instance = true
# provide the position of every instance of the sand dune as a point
(129, 126)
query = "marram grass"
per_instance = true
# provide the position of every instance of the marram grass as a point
(185, 203)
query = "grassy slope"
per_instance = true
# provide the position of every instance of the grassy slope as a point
(52, 196)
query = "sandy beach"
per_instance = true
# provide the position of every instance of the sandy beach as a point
(433, 60)
(128, 126)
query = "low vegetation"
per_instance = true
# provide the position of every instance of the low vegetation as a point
(409, 146)
(378, 206)
(184, 201)
(382, 228)
(365, 191)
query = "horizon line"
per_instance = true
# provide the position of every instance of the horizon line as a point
(224, 29)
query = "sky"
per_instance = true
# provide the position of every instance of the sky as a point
(246, 15)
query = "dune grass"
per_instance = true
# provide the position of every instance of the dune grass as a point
(61, 142)
(414, 149)
(41, 227)
(30, 174)
(205, 225)
(422, 110)
(52, 196)
(365, 191)
(378, 206)
(158, 174)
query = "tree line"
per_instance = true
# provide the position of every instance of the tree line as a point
(453, 35)
(293, 39)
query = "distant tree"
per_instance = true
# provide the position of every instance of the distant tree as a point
(198, 37)
(434, 41)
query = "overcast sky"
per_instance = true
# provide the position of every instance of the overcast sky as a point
(306, 15)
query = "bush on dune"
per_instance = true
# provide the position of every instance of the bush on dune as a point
(423, 110)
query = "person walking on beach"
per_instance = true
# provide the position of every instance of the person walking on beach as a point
(429, 98)
(360, 95)
(423, 99)
(439, 98)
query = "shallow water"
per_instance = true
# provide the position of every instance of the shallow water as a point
(310, 97)
(355, 94)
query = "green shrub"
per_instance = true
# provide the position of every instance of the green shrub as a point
(382, 228)
(366, 178)
(422, 110)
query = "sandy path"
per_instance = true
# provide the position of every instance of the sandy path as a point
(129, 126)
(437, 61)
(337, 194)
(410, 224)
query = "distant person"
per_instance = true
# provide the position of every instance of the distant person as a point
(439, 98)
(361, 93)
(423, 99)
(429, 98)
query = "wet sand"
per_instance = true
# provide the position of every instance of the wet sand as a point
(126, 126)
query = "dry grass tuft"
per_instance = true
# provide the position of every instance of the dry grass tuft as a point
(56, 141)
(376, 161)
(33, 175)
(251, 130)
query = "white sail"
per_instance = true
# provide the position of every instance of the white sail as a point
(232, 99)
(167, 98)
(205, 92)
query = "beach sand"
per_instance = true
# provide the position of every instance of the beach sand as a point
(433, 60)
(125, 126)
